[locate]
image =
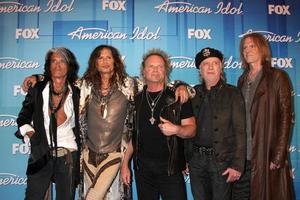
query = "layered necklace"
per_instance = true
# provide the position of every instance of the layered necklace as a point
(102, 100)
(54, 107)
(152, 104)
(59, 94)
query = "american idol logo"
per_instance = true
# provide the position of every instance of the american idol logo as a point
(186, 7)
(95, 33)
(8, 120)
(232, 63)
(182, 7)
(272, 37)
(15, 7)
(82, 33)
(53, 6)
(182, 62)
(293, 149)
(298, 37)
(15, 63)
(11, 179)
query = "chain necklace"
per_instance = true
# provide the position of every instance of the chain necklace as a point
(101, 100)
(61, 92)
(153, 104)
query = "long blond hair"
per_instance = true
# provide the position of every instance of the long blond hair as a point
(263, 46)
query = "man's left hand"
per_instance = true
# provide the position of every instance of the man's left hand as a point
(274, 166)
(233, 175)
(182, 92)
(167, 127)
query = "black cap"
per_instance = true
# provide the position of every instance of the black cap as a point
(206, 53)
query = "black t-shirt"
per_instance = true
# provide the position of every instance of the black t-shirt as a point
(154, 151)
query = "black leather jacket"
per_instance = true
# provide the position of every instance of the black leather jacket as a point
(176, 161)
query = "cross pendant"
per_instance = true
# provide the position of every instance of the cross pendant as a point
(152, 120)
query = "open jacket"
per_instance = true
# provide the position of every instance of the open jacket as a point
(31, 113)
(176, 160)
(129, 89)
(229, 134)
(271, 119)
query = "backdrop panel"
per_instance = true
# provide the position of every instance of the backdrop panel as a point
(30, 27)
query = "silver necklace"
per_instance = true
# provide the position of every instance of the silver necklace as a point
(153, 104)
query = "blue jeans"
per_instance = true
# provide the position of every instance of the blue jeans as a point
(206, 178)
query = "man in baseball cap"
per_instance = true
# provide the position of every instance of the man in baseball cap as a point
(216, 155)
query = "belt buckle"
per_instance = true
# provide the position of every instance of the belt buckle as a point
(95, 158)
(206, 151)
(60, 152)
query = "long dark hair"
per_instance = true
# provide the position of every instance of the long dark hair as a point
(92, 75)
(68, 57)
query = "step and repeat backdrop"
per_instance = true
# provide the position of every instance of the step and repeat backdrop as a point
(28, 28)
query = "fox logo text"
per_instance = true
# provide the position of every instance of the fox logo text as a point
(203, 34)
(20, 148)
(113, 5)
(18, 90)
(282, 62)
(27, 33)
(279, 9)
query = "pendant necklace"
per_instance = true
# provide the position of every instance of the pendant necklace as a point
(102, 100)
(153, 104)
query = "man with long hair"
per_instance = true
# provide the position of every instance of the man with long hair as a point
(106, 106)
(49, 121)
(267, 94)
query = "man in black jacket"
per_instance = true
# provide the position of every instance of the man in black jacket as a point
(160, 125)
(216, 154)
(49, 121)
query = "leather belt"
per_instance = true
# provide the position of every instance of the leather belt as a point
(95, 158)
(61, 151)
(204, 150)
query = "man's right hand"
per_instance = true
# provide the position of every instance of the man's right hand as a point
(126, 174)
(233, 175)
(29, 81)
(186, 171)
(30, 134)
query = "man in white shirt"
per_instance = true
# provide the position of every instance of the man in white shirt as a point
(48, 121)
